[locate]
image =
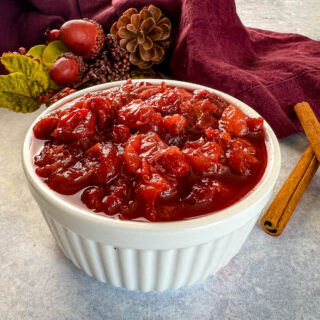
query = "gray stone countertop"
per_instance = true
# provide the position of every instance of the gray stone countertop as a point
(270, 278)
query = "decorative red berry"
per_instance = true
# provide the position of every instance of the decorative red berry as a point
(52, 35)
(45, 98)
(22, 50)
(55, 96)
(68, 69)
(83, 37)
(65, 71)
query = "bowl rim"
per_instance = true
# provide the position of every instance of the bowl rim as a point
(236, 210)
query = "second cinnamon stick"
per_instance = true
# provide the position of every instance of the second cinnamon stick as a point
(310, 125)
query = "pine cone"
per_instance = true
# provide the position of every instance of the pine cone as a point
(145, 35)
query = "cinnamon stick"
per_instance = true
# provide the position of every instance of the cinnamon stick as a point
(310, 125)
(283, 205)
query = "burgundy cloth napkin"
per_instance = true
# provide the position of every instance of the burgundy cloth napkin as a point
(267, 70)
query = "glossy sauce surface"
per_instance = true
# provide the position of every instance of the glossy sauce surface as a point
(150, 152)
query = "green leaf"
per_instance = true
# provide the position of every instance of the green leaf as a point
(54, 86)
(36, 71)
(19, 93)
(37, 51)
(19, 103)
(53, 50)
(19, 83)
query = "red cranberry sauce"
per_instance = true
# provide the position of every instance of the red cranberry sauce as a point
(145, 151)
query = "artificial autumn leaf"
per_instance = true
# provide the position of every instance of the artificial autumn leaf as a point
(18, 82)
(19, 93)
(54, 86)
(37, 51)
(34, 70)
(53, 50)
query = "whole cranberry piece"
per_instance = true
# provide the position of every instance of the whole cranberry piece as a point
(241, 157)
(255, 125)
(204, 192)
(92, 197)
(173, 161)
(233, 121)
(83, 37)
(76, 125)
(175, 124)
(44, 128)
(120, 133)
(103, 110)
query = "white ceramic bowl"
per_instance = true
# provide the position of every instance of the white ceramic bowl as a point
(152, 256)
